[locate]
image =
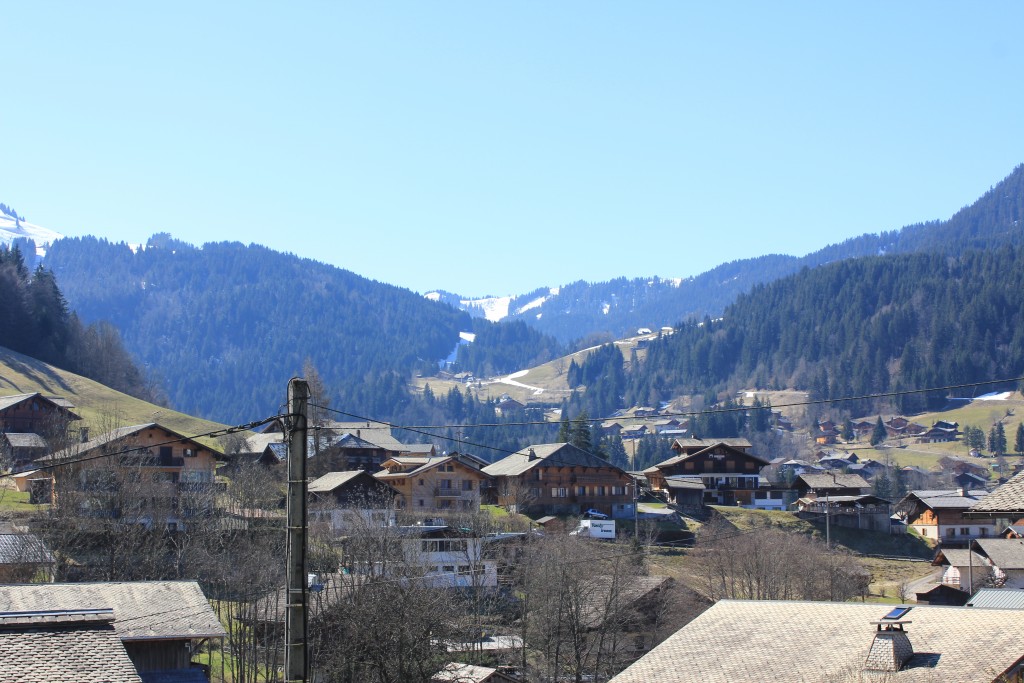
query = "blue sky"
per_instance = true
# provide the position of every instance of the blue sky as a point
(492, 148)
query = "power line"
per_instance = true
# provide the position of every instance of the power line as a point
(224, 431)
(421, 429)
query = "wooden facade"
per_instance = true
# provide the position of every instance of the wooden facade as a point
(729, 473)
(439, 483)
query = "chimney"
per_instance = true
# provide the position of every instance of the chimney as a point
(891, 648)
(532, 455)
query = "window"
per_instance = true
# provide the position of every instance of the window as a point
(165, 452)
(446, 483)
(464, 569)
(600, 490)
(421, 502)
(950, 532)
(421, 482)
(445, 545)
(618, 490)
(983, 530)
(581, 490)
(189, 452)
(559, 492)
(688, 465)
(467, 484)
(535, 493)
(965, 531)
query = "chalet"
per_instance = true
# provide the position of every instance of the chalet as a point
(864, 512)
(940, 432)
(939, 514)
(351, 498)
(730, 474)
(130, 473)
(507, 405)
(831, 484)
(611, 428)
(964, 570)
(634, 431)
(427, 484)
(20, 449)
(35, 414)
(347, 452)
(956, 465)
(944, 594)
(685, 492)
(267, 449)
(1006, 557)
(159, 623)
(786, 640)
(559, 478)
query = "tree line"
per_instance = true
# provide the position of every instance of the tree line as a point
(35, 320)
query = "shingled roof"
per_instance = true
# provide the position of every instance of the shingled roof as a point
(1007, 500)
(827, 641)
(547, 455)
(143, 610)
(73, 646)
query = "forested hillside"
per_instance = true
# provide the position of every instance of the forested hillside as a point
(226, 325)
(856, 327)
(35, 320)
(619, 307)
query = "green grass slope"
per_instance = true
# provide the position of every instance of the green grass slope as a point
(100, 407)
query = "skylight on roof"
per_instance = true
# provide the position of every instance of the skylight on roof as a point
(897, 613)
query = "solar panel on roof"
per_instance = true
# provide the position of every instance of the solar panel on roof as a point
(897, 613)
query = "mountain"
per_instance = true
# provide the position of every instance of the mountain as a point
(619, 307)
(226, 325)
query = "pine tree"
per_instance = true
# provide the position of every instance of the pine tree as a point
(878, 435)
(1018, 443)
(997, 439)
(564, 432)
(579, 432)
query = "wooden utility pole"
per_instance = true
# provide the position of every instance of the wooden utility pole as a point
(296, 666)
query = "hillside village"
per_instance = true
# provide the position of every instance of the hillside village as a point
(547, 564)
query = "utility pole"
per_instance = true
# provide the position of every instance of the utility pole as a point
(296, 666)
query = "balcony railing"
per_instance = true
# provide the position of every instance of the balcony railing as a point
(448, 492)
(150, 460)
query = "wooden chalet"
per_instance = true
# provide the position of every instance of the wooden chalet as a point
(561, 479)
(35, 413)
(730, 475)
(940, 515)
(432, 483)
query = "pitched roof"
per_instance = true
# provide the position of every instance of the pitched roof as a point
(377, 433)
(14, 399)
(25, 440)
(143, 610)
(75, 646)
(825, 641)
(959, 557)
(1005, 553)
(682, 481)
(463, 673)
(23, 549)
(113, 436)
(1008, 498)
(548, 455)
(333, 480)
(947, 499)
(833, 481)
(709, 445)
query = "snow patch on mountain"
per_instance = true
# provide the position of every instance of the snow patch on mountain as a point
(433, 296)
(538, 302)
(11, 229)
(495, 308)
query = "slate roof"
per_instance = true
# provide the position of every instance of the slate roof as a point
(113, 436)
(76, 647)
(377, 433)
(143, 610)
(332, 480)
(837, 481)
(1005, 553)
(708, 444)
(947, 499)
(960, 558)
(824, 641)
(997, 598)
(23, 549)
(684, 482)
(1007, 499)
(548, 455)
(734, 442)
(25, 440)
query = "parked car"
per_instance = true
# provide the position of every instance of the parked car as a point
(594, 514)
